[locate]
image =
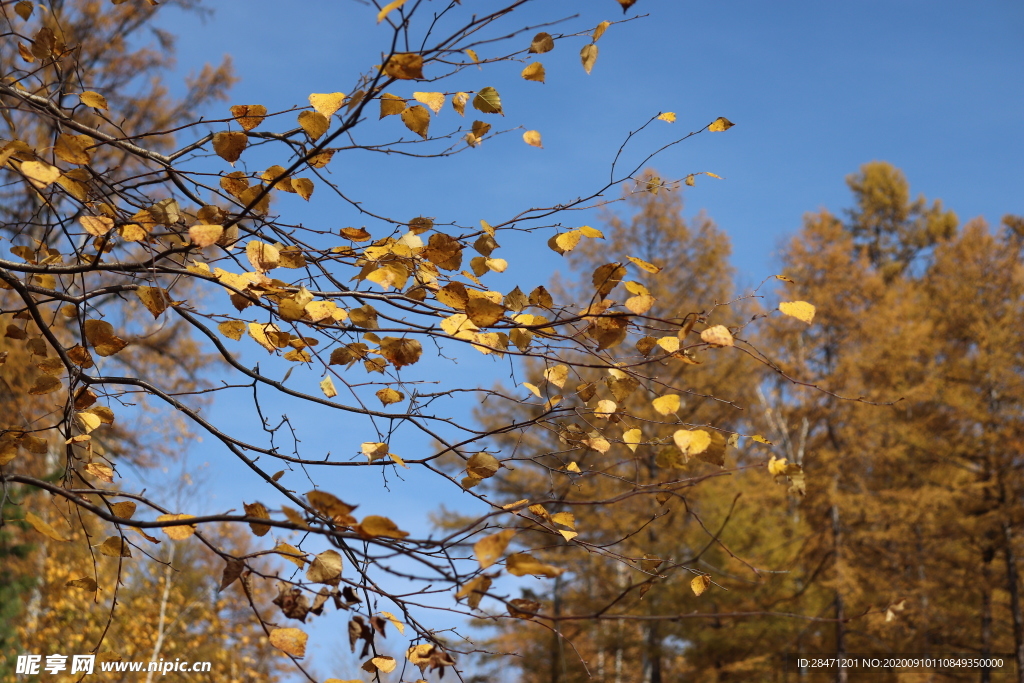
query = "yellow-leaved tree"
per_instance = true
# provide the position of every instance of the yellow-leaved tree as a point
(145, 239)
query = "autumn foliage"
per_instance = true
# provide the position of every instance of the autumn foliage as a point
(154, 264)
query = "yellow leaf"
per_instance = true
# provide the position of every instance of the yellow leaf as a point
(785, 279)
(474, 590)
(605, 409)
(177, 532)
(588, 55)
(93, 99)
(291, 553)
(325, 568)
(291, 641)
(40, 174)
(394, 620)
(43, 527)
(232, 329)
(488, 101)
(314, 123)
(760, 439)
(203, 235)
(533, 389)
(417, 119)
(488, 549)
(384, 663)
(573, 467)
(303, 187)
(404, 66)
(777, 466)
(373, 526)
(73, 148)
(482, 465)
(97, 225)
(542, 42)
(155, 299)
(718, 335)
(262, 257)
(472, 55)
(86, 582)
(388, 396)
(692, 443)
(101, 335)
(567, 241)
(101, 471)
(459, 101)
(670, 344)
(24, 9)
(258, 510)
(434, 100)
(644, 265)
(374, 450)
(534, 72)
(532, 138)
(632, 438)
(720, 124)
(523, 564)
(667, 404)
(327, 386)
(249, 115)
(386, 9)
(230, 145)
(564, 519)
(115, 546)
(327, 103)
(568, 535)
(557, 375)
(700, 583)
(125, 509)
(667, 116)
(600, 29)
(801, 310)
(391, 105)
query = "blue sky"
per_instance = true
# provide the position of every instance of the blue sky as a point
(816, 89)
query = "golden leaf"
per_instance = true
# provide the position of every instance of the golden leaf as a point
(482, 465)
(720, 124)
(388, 396)
(700, 583)
(291, 641)
(542, 42)
(101, 471)
(291, 553)
(204, 235)
(73, 148)
(394, 620)
(667, 404)
(257, 510)
(86, 582)
(93, 99)
(155, 299)
(100, 334)
(97, 225)
(475, 590)
(631, 438)
(327, 386)
(644, 265)
(404, 66)
(557, 375)
(573, 467)
(801, 310)
(588, 55)
(263, 257)
(125, 509)
(177, 532)
(115, 546)
(718, 335)
(459, 101)
(692, 443)
(40, 174)
(600, 29)
(43, 527)
(24, 9)
(232, 329)
(534, 72)
(488, 101)
(523, 564)
(325, 568)
(387, 9)
(417, 119)
(230, 145)
(488, 549)
(384, 663)
(760, 439)
(303, 187)
(391, 105)
(249, 115)
(314, 123)
(670, 344)
(44, 384)
(605, 409)
(327, 103)
(532, 138)
(434, 100)
(565, 519)
(667, 116)
(373, 526)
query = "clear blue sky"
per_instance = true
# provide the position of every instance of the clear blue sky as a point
(815, 88)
